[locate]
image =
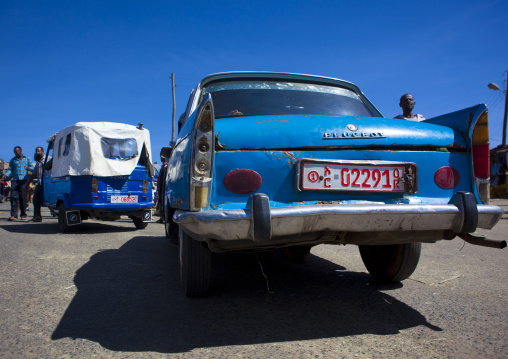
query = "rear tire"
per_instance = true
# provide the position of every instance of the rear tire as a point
(195, 262)
(138, 222)
(62, 219)
(170, 227)
(391, 263)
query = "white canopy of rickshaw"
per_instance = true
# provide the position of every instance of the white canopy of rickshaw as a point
(85, 153)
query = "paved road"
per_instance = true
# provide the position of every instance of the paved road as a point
(110, 291)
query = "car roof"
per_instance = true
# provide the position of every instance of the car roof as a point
(277, 75)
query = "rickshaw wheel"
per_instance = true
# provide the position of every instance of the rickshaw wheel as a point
(62, 220)
(138, 222)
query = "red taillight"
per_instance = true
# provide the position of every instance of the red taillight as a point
(242, 181)
(95, 185)
(481, 160)
(447, 177)
(481, 152)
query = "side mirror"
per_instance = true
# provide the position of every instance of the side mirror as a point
(166, 152)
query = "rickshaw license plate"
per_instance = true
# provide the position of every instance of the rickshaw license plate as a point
(322, 176)
(124, 199)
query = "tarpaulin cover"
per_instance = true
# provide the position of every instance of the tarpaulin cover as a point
(85, 151)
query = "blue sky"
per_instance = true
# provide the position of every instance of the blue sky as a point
(62, 62)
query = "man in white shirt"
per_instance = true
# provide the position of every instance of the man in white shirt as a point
(408, 103)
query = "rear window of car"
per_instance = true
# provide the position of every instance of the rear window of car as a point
(255, 98)
(122, 149)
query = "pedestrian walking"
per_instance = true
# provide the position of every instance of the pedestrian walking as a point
(36, 178)
(17, 172)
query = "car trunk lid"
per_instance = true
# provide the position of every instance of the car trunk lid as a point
(307, 131)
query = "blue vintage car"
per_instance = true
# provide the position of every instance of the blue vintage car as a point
(276, 160)
(99, 170)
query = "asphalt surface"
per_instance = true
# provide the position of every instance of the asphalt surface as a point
(108, 290)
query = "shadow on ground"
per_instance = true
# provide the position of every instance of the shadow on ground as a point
(47, 227)
(129, 299)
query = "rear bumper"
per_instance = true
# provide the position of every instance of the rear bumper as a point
(261, 223)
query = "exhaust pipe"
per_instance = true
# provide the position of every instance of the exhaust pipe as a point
(482, 241)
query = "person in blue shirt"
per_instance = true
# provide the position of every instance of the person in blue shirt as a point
(19, 166)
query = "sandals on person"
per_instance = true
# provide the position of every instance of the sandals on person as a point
(12, 218)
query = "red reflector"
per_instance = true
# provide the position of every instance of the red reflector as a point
(481, 161)
(95, 197)
(143, 198)
(447, 177)
(242, 181)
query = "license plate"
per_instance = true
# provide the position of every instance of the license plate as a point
(124, 199)
(323, 176)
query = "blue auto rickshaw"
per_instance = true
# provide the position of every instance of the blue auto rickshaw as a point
(100, 170)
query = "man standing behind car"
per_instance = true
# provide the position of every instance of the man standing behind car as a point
(407, 103)
(19, 166)
(36, 177)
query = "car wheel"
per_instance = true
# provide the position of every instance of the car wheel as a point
(391, 263)
(138, 222)
(170, 227)
(194, 266)
(62, 220)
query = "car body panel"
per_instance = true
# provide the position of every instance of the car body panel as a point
(177, 193)
(278, 171)
(75, 191)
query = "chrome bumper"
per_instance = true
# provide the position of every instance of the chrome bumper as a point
(246, 224)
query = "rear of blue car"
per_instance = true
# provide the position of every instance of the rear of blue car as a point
(291, 161)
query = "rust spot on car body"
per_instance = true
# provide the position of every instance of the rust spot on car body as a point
(328, 202)
(215, 206)
(281, 120)
(291, 158)
(219, 146)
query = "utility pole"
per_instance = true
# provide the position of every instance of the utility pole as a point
(505, 110)
(174, 109)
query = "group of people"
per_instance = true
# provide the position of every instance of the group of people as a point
(22, 173)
